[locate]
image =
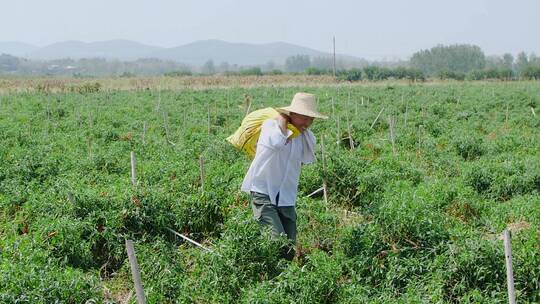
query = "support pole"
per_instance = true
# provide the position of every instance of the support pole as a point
(509, 271)
(135, 272)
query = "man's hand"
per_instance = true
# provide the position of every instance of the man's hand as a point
(283, 120)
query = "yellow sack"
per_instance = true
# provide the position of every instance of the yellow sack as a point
(246, 136)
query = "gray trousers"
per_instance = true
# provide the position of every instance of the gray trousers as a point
(282, 220)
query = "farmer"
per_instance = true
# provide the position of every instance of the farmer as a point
(272, 178)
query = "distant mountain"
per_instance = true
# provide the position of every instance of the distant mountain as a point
(18, 49)
(234, 53)
(111, 49)
(195, 53)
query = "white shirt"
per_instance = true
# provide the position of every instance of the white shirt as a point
(276, 166)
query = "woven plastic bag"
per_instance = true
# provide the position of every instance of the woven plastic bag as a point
(246, 136)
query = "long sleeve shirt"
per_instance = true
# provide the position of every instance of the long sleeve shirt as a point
(277, 163)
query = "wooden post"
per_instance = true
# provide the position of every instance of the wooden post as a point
(392, 126)
(349, 130)
(377, 118)
(133, 169)
(135, 272)
(201, 167)
(509, 271)
(325, 195)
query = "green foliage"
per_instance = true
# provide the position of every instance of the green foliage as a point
(178, 73)
(417, 222)
(458, 59)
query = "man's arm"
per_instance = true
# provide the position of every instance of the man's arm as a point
(274, 133)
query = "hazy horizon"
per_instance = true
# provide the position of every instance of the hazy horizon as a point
(383, 30)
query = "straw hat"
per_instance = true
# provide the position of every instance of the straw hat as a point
(305, 104)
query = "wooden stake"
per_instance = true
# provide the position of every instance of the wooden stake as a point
(509, 271)
(377, 118)
(392, 126)
(133, 169)
(325, 194)
(315, 192)
(201, 168)
(351, 142)
(135, 272)
(190, 240)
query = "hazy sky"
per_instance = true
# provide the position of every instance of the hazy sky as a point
(370, 29)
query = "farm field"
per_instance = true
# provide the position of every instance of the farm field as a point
(422, 178)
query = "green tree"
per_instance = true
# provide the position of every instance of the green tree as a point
(508, 61)
(459, 58)
(297, 63)
(208, 67)
(522, 62)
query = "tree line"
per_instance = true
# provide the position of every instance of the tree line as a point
(459, 61)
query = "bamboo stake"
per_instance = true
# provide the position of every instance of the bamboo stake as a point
(135, 272)
(392, 126)
(201, 168)
(325, 194)
(351, 142)
(509, 271)
(133, 169)
(315, 192)
(377, 118)
(190, 240)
